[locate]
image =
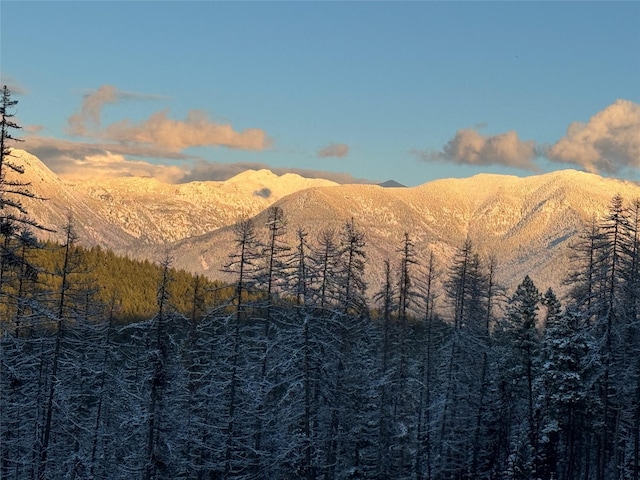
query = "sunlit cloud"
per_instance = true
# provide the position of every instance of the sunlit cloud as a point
(468, 147)
(87, 121)
(607, 143)
(109, 165)
(78, 160)
(158, 130)
(88, 118)
(338, 150)
(122, 148)
(195, 131)
(49, 148)
(83, 160)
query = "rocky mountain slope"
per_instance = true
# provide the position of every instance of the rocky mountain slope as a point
(527, 223)
(130, 215)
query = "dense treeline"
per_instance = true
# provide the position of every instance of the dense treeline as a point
(299, 372)
(129, 284)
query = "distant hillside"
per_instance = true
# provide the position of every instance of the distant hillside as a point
(527, 223)
(131, 214)
(131, 285)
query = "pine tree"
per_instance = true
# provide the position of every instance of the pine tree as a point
(269, 279)
(430, 332)
(521, 339)
(466, 290)
(243, 264)
(324, 264)
(15, 222)
(11, 191)
(609, 327)
(387, 298)
(351, 327)
(402, 395)
(72, 315)
(155, 464)
(568, 364)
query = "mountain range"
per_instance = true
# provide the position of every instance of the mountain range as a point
(527, 223)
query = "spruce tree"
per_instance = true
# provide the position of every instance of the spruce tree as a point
(521, 339)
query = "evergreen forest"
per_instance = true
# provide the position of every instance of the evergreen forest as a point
(115, 369)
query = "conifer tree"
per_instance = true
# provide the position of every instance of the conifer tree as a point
(243, 265)
(568, 364)
(430, 333)
(466, 290)
(63, 411)
(14, 219)
(520, 337)
(11, 190)
(402, 395)
(351, 326)
(324, 263)
(387, 298)
(269, 278)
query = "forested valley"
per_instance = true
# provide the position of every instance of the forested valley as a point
(296, 370)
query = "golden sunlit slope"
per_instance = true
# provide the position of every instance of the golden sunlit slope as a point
(527, 223)
(57, 202)
(157, 212)
(129, 213)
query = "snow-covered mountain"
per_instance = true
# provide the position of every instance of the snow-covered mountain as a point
(527, 223)
(130, 215)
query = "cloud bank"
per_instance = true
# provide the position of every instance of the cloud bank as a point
(158, 130)
(123, 147)
(608, 143)
(468, 147)
(338, 150)
(176, 135)
(82, 160)
(112, 165)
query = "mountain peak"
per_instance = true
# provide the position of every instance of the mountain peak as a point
(391, 184)
(35, 170)
(253, 175)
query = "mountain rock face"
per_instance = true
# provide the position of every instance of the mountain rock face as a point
(528, 223)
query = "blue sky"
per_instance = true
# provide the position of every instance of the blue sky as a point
(411, 91)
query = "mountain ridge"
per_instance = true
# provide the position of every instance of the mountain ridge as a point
(527, 222)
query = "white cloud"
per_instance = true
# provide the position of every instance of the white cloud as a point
(112, 165)
(468, 147)
(176, 135)
(607, 143)
(91, 109)
(158, 130)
